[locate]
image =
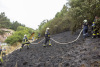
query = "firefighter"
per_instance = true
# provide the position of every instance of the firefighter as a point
(39, 35)
(47, 38)
(1, 59)
(96, 27)
(85, 29)
(25, 41)
(3, 51)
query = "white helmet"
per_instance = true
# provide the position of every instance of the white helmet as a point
(25, 35)
(85, 21)
(47, 28)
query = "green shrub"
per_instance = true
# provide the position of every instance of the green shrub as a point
(18, 35)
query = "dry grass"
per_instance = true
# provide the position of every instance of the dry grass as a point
(10, 49)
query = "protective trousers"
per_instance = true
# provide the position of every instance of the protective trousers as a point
(95, 33)
(47, 39)
(85, 33)
(27, 43)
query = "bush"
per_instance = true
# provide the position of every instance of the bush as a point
(17, 37)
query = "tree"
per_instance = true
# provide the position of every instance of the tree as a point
(4, 21)
(15, 25)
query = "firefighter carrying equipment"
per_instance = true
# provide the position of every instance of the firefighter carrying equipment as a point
(3, 51)
(47, 37)
(96, 28)
(25, 41)
(85, 29)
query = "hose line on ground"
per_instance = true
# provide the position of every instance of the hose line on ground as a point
(68, 42)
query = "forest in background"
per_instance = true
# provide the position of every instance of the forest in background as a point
(6, 23)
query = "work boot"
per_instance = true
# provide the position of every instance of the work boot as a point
(44, 45)
(27, 47)
(0, 63)
(20, 48)
(93, 36)
(50, 45)
(98, 36)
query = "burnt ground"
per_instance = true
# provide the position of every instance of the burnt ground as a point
(82, 53)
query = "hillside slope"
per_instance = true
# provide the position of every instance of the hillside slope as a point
(83, 53)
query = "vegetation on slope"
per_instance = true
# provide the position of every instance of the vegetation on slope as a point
(19, 34)
(71, 16)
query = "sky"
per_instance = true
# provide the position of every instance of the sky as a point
(31, 12)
